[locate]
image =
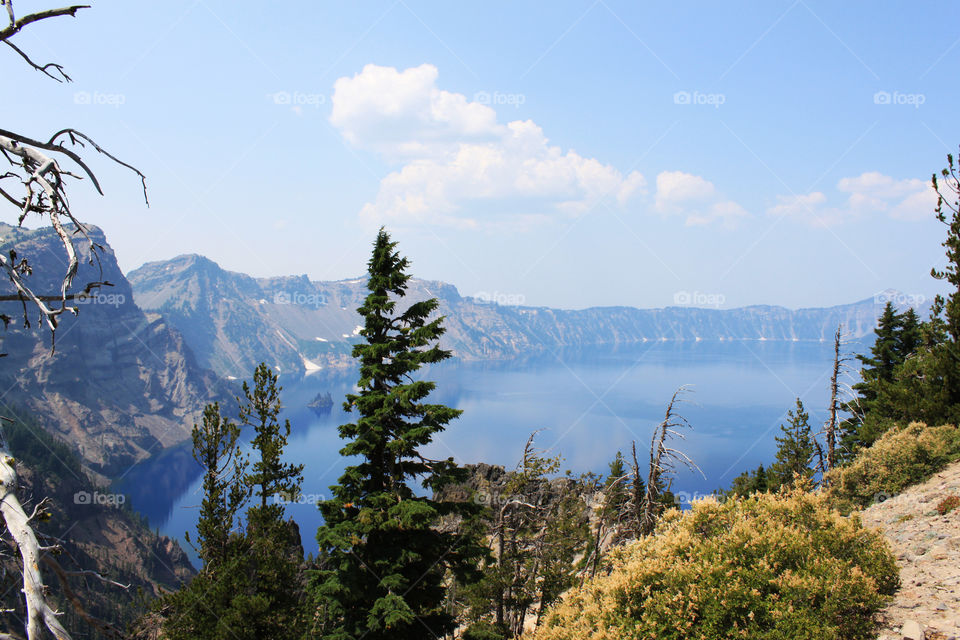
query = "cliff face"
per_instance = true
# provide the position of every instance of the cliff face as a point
(121, 384)
(97, 532)
(233, 321)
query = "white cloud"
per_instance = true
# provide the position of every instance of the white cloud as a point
(694, 197)
(458, 165)
(868, 194)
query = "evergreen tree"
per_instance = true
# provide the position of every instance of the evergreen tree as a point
(382, 562)
(274, 603)
(747, 483)
(270, 476)
(795, 449)
(250, 586)
(205, 608)
(216, 450)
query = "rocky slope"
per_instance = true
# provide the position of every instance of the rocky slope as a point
(121, 384)
(233, 321)
(927, 546)
(97, 530)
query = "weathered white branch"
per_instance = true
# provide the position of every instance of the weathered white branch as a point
(39, 612)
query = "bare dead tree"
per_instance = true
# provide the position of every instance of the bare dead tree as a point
(840, 359)
(35, 167)
(35, 183)
(664, 461)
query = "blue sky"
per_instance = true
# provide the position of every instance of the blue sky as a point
(567, 154)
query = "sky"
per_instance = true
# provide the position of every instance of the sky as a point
(567, 154)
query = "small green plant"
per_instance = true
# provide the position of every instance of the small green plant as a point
(948, 504)
(905, 517)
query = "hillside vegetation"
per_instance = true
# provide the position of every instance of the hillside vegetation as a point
(771, 566)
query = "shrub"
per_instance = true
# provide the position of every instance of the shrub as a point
(899, 458)
(948, 504)
(770, 566)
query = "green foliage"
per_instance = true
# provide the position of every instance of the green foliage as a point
(899, 458)
(913, 372)
(539, 531)
(31, 444)
(216, 450)
(382, 563)
(270, 476)
(770, 567)
(795, 449)
(749, 482)
(251, 584)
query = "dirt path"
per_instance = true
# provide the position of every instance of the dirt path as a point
(927, 547)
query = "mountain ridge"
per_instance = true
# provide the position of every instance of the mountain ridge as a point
(233, 320)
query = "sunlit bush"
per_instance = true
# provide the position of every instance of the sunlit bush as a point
(771, 566)
(899, 458)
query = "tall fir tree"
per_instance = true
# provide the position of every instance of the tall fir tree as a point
(270, 477)
(275, 601)
(205, 609)
(382, 561)
(795, 449)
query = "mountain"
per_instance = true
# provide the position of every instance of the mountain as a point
(97, 532)
(233, 321)
(121, 384)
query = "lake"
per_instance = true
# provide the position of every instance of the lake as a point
(589, 404)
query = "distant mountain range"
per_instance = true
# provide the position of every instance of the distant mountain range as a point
(233, 321)
(132, 372)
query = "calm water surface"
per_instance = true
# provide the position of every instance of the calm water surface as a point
(589, 403)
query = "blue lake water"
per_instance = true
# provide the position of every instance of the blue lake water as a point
(589, 403)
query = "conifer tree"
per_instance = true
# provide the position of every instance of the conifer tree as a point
(216, 450)
(795, 448)
(275, 600)
(382, 562)
(250, 586)
(270, 477)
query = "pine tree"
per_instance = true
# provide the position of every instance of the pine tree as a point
(270, 476)
(273, 605)
(250, 586)
(382, 563)
(200, 610)
(748, 482)
(795, 449)
(216, 450)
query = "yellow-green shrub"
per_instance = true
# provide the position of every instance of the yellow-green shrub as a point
(771, 566)
(899, 458)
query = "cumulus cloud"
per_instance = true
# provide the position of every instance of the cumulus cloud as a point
(457, 164)
(695, 198)
(870, 193)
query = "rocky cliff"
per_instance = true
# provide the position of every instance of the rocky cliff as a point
(121, 383)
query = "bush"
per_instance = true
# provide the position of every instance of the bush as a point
(771, 566)
(948, 504)
(901, 457)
